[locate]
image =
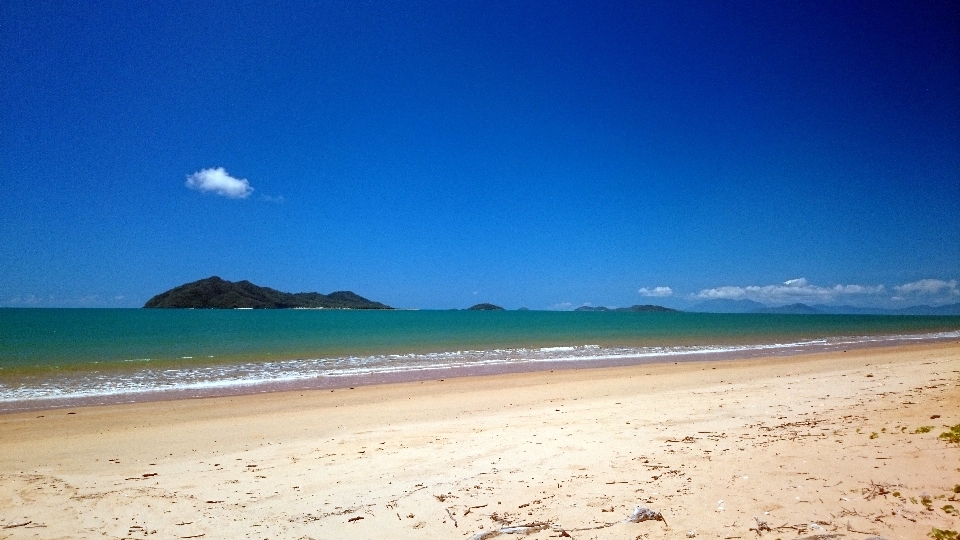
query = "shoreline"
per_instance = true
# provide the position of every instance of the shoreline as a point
(807, 444)
(335, 382)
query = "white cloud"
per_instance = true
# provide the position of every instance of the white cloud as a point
(656, 292)
(790, 291)
(929, 287)
(728, 292)
(218, 181)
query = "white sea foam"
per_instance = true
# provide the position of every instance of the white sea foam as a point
(222, 377)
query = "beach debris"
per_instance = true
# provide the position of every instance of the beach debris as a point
(875, 490)
(357, 518)
(474, 508)
(505, 518)
(525, 529)
(691, 534)
(15, 525)
(452, 518)
(528, 528)
(762, 527)
(642, 513)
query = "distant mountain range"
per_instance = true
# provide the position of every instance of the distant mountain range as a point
(647, 308)
(749, 306)
(214, 292)
(792, 309)
(726, 306)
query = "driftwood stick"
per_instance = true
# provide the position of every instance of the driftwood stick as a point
(453, 518)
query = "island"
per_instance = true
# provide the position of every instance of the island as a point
(485, 307)
(216, 293)
(646, 308)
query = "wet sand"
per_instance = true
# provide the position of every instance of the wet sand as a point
(779, 447)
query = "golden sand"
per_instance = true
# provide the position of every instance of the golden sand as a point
(789, 447)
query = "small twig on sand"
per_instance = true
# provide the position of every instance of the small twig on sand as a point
(473, 508)
(15, 525)
(604, 526)
(453, 518)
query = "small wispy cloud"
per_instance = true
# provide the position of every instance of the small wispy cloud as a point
(791, 290)
(277, 199)
(656, 292)
(24, 300)
(84, 300)
(89, 299)
(218, 181)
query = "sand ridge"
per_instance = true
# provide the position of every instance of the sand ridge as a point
(802, 446)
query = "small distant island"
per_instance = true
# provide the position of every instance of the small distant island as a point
(647, 308)
(216, 293)
(485, 307)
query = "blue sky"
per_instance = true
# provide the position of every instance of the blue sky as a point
(437, 155)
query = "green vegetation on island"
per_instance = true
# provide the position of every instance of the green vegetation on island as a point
(217, 293)
(485, 307)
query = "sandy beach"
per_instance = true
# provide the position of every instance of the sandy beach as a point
(828, 445)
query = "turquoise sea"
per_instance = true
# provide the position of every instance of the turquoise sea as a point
(55, 357)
